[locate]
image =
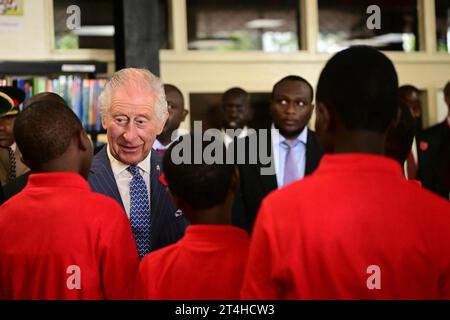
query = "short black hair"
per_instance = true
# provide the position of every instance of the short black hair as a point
(202, 186)
(44, 130)
(174, 88)
(407, 88)
(447, 89)
(293, 78)
(400, 136)
(235, 91)
(360, 85)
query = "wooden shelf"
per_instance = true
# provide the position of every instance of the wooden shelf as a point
(46, 68)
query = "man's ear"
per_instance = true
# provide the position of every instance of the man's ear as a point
(235, 180)
(104, 121)
(185, 113)
(25, 162)
(83, 141)
(396, 120)
(178, 202)
(447, 101)
(162, 124)
(323, 118)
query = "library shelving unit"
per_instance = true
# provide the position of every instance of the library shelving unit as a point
(78, 82)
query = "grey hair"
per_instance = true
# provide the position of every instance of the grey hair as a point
(139, 78)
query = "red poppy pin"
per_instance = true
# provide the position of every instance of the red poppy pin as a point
(423, 145)
(162, 179)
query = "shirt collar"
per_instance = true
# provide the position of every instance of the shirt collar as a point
(279, 139)
(57, 179)
(159, 146)
(243, 133)
(118, 167)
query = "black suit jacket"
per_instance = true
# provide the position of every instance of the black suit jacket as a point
(433, 149)
(254, 186)
(168, 223)
(12, 188)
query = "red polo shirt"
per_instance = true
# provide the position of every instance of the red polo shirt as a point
(60, 240)
(355, 229)
(206, 264)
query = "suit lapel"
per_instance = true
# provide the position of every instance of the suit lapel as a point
(313, 153)
(269, 182)
(4, 165)
(157, 190)
(101, 177)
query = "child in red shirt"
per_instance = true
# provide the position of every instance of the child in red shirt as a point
(209, 261)
(356, 228)
(58, 239)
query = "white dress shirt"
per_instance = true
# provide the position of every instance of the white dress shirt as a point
(227, 139)
(175, 136)
(280, 150)
(123, 177)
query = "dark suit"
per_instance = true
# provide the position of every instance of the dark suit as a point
(167, 224)
(254, 186)
(12, 188)
(434, 160)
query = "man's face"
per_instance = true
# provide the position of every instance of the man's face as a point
(131, 124)
(175, 106)
(6, 131)
(412, 99)
(235, 111)
(291, 107)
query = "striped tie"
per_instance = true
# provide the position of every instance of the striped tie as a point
(139, 211)
(12, 165)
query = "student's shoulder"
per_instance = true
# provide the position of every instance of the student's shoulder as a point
(160, 257)
(288, 194)
(99, 202)
(428, 199)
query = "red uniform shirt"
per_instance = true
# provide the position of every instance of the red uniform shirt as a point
(355, 229)
(60, 240)
(207, 263)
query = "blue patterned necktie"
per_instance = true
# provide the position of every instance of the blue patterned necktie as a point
(139, 211)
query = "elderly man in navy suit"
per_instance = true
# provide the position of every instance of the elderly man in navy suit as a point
(133, 108)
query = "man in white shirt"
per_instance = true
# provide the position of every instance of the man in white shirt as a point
(295, 150)
(134, 110)
(177, 114)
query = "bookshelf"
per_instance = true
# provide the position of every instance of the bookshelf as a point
(76, 81)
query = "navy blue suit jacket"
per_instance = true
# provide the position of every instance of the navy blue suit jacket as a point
(168, 223)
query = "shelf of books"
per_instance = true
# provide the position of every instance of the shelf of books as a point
(80, 90)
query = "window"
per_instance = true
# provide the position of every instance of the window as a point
(443, 25)
(97, 24)
(267, 25)
(343, 23)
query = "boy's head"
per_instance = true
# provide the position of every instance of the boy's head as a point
(198, 187)
(356, 92)
(51, 137)
(400, 135)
